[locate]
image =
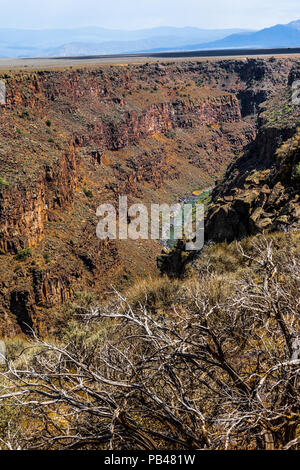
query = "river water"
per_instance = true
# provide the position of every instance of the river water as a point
(177, 221)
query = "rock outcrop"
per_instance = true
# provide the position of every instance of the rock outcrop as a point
(261, 190)
(24, 210)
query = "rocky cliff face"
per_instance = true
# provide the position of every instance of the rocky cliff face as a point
(73, 139)
(22, 223)
(260, 191)
(24, 210)
(130, 126)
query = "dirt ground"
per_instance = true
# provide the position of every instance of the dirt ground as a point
(85, 61)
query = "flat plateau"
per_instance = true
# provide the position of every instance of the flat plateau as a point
(125, 59)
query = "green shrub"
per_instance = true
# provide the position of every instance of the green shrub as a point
(22, 255)
(46, 257)
(15, 347)
(25, 114)
(296, 173)
(88, 193)
(3, 182)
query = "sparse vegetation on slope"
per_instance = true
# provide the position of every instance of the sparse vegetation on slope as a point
(210, 362)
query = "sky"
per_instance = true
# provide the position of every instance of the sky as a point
(140, 14)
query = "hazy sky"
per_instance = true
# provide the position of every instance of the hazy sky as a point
(136, 14)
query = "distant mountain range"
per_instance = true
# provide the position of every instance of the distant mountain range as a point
(94, 40)
(276, 36)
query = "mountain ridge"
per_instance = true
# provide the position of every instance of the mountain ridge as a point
(35, 43)
(275, 36)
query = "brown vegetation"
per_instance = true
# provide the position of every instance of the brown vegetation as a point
(211, 362)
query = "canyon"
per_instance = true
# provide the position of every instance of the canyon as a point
(72, 139)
